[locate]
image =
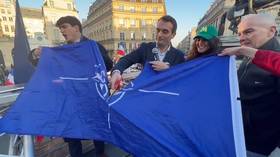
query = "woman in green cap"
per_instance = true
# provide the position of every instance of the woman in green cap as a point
(205, 42)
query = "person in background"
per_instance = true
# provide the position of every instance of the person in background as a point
(34, 55)
(205, 42)
(2, 75)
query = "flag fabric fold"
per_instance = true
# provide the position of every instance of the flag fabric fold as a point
(190, 110)
(23, 69)
(65, 97)
(185, 111)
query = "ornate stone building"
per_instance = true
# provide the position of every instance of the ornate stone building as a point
(52, 11)
(7, 18)
(272, 8)
(186, 44)
(33, 21)
(1, 31)
(123, 22)
(7, 29)
(216, 15)
(39, 24)
(34, 27)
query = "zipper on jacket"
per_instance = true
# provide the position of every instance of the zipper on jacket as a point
(245, 69)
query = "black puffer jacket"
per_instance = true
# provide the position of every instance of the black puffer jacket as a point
(260, 99)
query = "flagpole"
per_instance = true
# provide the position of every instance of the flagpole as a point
(28, 146)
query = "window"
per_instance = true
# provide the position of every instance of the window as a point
(144, 10)
(154, 36)
(8, 1)
(130, 46)
(13, 28)
(132, 35)
(4, 18)
(51, 3)
(143, 22)
(155, 10)
(154, 1)
(39, 38)
(10, 19)
(132, 22)
(6, 28)
(121, 8)
(9, 11)
(56, 33)
(132, 9)
(3, 11)
(69, 6)
(154, 22)
(121, 22)
(144, 36)
(122, 36)
(122, 44)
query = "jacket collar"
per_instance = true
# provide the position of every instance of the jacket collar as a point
(83, 38)
(272, 44)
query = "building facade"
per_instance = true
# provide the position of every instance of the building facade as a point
(123, 23)
(186, 44)
(7, 18)
(35, 27)
(1, 32)
(216, 16)
(52, 11)
(33, 21)
(272, 8)
(39, 24)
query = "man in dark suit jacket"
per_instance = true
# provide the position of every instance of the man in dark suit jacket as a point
(160, 54)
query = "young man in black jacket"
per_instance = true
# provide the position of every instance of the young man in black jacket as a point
(160, 54)
(71, 29)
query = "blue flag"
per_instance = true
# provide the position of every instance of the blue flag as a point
(65, 97)
(190, 110)
(23, 69)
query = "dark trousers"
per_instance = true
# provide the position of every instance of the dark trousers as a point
(76, 150)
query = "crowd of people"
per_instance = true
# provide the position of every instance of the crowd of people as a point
(6, 76)
(258, 74)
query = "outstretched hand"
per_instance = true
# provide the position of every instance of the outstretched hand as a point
(239, 51)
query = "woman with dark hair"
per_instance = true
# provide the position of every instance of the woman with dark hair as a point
(205, 42)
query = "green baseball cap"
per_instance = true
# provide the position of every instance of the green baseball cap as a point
(207, 32)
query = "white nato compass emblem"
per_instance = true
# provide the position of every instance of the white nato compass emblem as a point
(99, 79)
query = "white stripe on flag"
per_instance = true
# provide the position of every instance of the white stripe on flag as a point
(237, 122)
